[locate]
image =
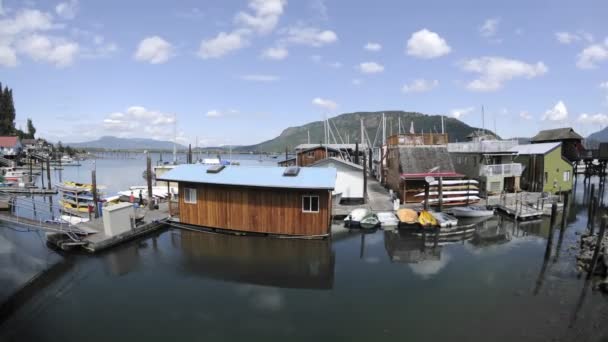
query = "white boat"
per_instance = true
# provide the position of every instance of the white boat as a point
(66, 161)
(356, 216)
(455, 182)
(454, 199)
(444, 220)
(73, 219)
(471, 212)
(448, 193)
(388, 219)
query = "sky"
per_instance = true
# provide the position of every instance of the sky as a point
(231, 72)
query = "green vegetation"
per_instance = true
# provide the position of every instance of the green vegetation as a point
(7, 116)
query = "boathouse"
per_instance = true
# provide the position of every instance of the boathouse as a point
(271, 200)
(544, 167)
(571, 142)
(349, 179)
(307, 154)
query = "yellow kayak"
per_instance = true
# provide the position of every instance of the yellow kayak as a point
(426, 219)
(407, 216)
(78, 185)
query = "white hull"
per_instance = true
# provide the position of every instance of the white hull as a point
(454, 199)
(445, 220)
(447, 193)
(356, 215)
(455, 182)
(471, 212)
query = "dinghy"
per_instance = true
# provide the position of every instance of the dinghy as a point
(426, 219)
(370, 221)
(388, 220)
(407, 216)
(354, 218)
(445, 220)
(471, 212)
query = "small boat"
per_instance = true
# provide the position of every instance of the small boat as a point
(444, 220)
(471, 212)
(459, 199)
(370, 221)
(388, 219)
(426, 219)
(355, 217)
(407, 216)
(454, 182)
(449, 193)
(455, 187)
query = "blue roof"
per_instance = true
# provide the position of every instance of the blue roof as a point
(267, 177)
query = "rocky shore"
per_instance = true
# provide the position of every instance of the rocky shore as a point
(585, 257)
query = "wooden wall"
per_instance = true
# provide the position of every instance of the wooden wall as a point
(260, 210)
(304, 159)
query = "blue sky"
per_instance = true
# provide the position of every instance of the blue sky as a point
(239, 72)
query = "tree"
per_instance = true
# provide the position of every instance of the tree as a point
(31, 130)
(7, 111)
(60, 148)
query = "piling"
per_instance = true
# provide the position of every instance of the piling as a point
(440, 199)
(189, 154)
(551, 225)
(426, 195)
(365, 178)
(591, 218)
(565, 210)
(94, 182)
(149, 179)
(598, 246)
(357, 153)
(48, 173)
(42, 174)
(466, 201)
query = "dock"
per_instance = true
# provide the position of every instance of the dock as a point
(378, 199)
(28, 191)
(519, 212)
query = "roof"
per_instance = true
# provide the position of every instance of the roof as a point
(266, 177)
(338, 160)
(8, 141)
(332, 146)
(423, 159)
(29, 141)
(541, 148)
(557, 134)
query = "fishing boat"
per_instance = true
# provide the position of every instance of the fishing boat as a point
(354, 218)
(426, 219)
(444, 220)
(370, 221)
(471, 212)
(388, 220)
(407, 216)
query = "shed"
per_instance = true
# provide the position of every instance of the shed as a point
(572, 148)
(349, 179)
(272, 200)
(544, 167)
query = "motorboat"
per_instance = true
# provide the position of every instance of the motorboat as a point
(407, 216)
(354, 218)
(444, 220)
(388, 220)
(471, 212)
(426, 219)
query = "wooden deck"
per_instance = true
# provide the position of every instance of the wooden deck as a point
(378, 199)
(520, 212)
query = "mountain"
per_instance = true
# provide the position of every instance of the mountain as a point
(114, 143)
(348, 126)
(599, 136)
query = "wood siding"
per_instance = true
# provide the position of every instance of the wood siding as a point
(306, 158)
(260, 210)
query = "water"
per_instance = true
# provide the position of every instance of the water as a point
(380, 286)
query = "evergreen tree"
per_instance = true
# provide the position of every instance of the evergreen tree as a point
(31, 130)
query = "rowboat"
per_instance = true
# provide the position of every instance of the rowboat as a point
(444, 220)
(354, 218)
(370, 221)
(407, 216)
(471, 212)
(388, 220)
(426, 219)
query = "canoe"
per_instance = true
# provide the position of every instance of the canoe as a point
(471, 198)
(426, 219)
(444, 220)
(355, 217)
(407, 216)
(471, 212)
(388, 219)
(454, 187)
(370, 221)
(454, 182)
(449, 193)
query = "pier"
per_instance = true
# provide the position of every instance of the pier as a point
(378, 199)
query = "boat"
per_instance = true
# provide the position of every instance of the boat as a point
(454, 187)
(355, 217)
(370, 221)
(407, 216)
(426, 219)
(471, 212)
(454, 200)
(73, 219)
(388, 219)
(444, 220)
(65, 161)
(449, 193)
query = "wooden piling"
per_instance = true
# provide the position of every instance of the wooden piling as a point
(357, 153)
(426, 195)
(440, 199)
(95, 200)
(551, 225)
(590, 208)
(565, 209)
(48, 173)
(598, 246)
(42, 174)
(591, 218)
(364, 179)
(149, 179)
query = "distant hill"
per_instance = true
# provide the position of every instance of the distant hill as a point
(599, 136)
(349, 125)
(114, 143)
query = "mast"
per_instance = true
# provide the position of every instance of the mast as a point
(308, 133)
(483, 119)
(383, 129)
(442, 126)
(174, 139)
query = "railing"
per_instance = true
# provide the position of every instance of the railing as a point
(484, 146)
(505, 170)
(418, 139)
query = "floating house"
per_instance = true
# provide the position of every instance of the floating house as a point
(349, 180)
(488, 161)
(272, 200)
(571, 142)
(307, 154)
(544, 167)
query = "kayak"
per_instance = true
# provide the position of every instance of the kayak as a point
(445, 220)
(407, 216)
(455, 182)
(426, 219)
(449, 193)
(471, 198)
(388, 219)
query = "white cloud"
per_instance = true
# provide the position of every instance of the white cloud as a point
(489, 27)
(356, 82)
(8, 56)
(559, 112)
(214, 113)
(276, 53)
(324, 103)
(525, 115)
(266, 15)
(310, 36)
(426, 44)
(154, 50)
(41, 48)
(67, 10)
(260, 78)
(461, 112)
(494, 71)
(316, 58)
(136, 120)
(370, 68)
(604, 85)
(591, 55)
(25, 21)
(565, 37)
(372, 47)
(593, 119)
(420, 85)
(223, 44)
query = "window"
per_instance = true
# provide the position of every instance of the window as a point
(566, 176)
(310, 204)
(190, 195)
(310, 154)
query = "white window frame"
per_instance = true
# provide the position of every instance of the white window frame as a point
(566, 176)
(188, 195)
(309, 199)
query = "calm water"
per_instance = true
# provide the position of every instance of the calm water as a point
(380, 286)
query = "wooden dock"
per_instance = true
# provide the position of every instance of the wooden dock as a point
(28, 191)
(519, 211)
(378, 199)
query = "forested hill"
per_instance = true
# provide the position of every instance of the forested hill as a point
(349, 125)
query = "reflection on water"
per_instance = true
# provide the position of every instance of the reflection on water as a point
(288, 263)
